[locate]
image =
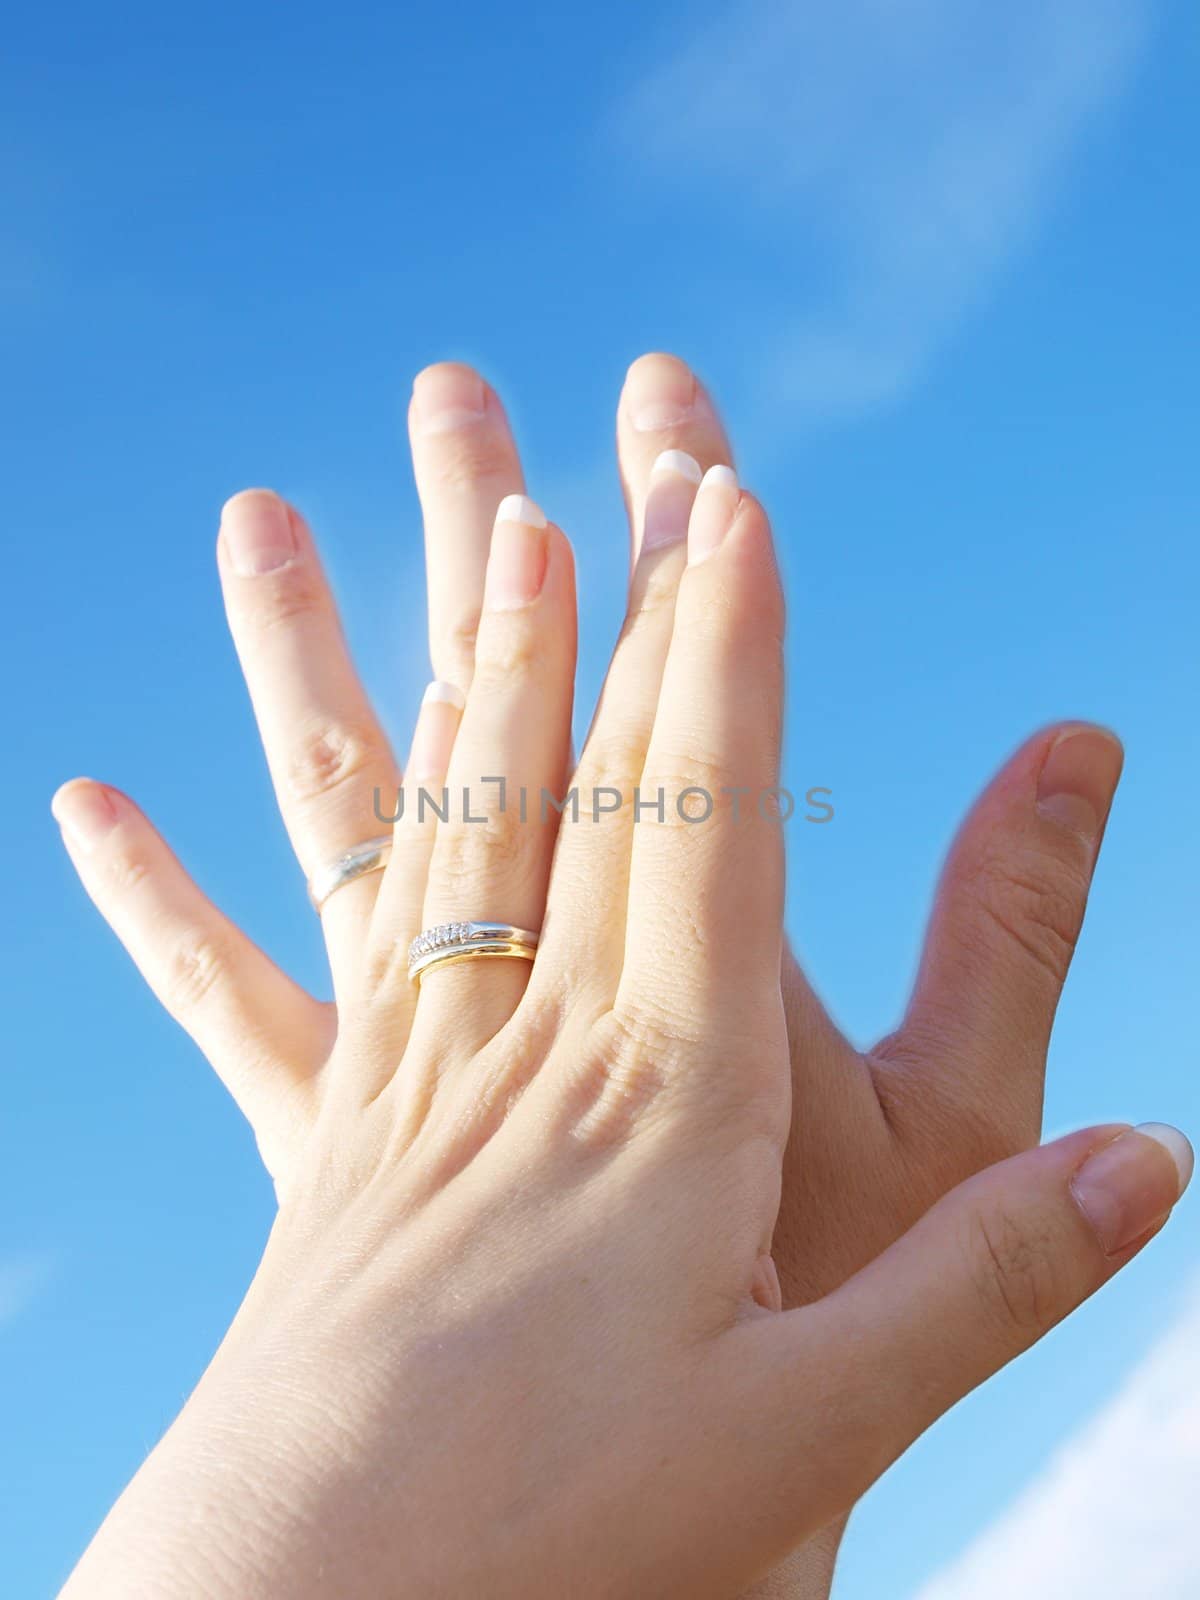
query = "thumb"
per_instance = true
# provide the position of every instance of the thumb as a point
(984, 1274)
(1008, 912)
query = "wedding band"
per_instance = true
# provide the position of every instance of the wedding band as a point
(468, 941)
(370, 856)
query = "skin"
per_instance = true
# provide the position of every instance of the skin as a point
(467, 1364)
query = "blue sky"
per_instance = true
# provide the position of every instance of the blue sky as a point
(940, 272)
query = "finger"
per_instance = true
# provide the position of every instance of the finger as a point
(706, 881)
(399, 906)
(389, 999)
(264, 1035)
(465, 462)
(591, 865)
(663, 406)
(989, 1270)
(516, 727)
(666, 426)
(1007, 916)
(327, 753)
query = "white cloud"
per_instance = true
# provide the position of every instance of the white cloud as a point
(1113, 1515)
(898, 151)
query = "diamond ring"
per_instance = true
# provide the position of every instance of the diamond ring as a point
(468, 941)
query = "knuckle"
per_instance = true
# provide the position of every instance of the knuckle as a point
(508, 651)
(456, 648)
(125, 870)
(329, 755)
(622, 1077)
(715, 612)
(470, 855)
(652, 602)
(462, 460)
(694, 784)
(1037, 905)
(737, 615)
(1015, 1273)
(660, 1023)
(285, 595)
(194, 966)
(614, 759)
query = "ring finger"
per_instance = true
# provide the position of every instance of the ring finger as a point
(491, 856)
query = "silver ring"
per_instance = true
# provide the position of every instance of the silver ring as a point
(468, 941)
(370, 856)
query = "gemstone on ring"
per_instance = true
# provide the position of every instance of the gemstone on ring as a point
(450, 941)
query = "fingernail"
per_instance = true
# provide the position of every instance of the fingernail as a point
(1125, 1187)
(256, 530)
(85, 811)
(713, 513)
(517, 561)
(441, 693)
(446, 397)
(661, 392)
(1178, 1146)
(1079, 777)
(433, 736)
(669, 496)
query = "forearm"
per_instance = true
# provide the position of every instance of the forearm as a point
(232, 1500)
(178, 1532)
(195, 1526)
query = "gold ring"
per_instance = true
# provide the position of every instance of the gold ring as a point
(468, 941)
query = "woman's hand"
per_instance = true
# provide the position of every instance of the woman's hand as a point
(517, 1328)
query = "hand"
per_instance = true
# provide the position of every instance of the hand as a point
(878, 1136)
(687, 1122)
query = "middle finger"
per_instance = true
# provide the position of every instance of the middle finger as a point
(465, 463)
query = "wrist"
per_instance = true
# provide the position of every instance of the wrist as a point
(807, 1573)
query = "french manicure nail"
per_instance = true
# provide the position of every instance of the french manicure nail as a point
(517, 561)
(85, 811)
(669, 496)
(433, 737)
(1177, 1145)
(441, 693)
(1125, 1187)
(1079, 777)
(680, 463)
(713, 514)
(661, 392)
(447, 397)
(257, 532)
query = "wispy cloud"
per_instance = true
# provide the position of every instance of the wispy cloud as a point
(22, 1279)
(900, 151)
(1114, 1514)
